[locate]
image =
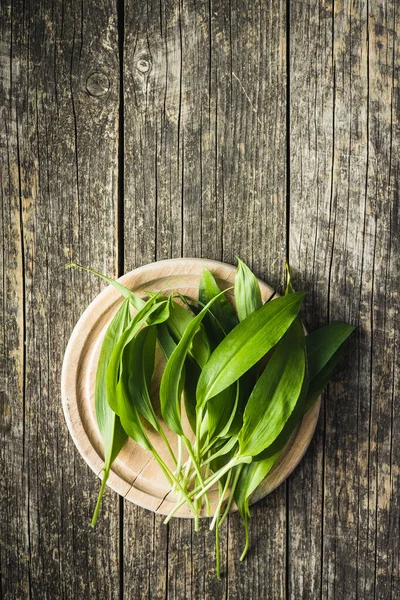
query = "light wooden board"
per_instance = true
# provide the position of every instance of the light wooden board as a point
(135, 474)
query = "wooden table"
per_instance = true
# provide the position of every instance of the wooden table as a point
(137, 131)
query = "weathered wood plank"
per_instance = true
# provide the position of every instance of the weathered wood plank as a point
(61, 118)
(205, 89)
(311, 147)
(344, 240)
(14, 548)
(252, 184)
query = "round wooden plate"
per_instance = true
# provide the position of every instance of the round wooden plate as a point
(135, 475)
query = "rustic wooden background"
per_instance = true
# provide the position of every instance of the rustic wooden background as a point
(135, 131)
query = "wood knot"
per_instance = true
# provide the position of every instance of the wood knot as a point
(97, 84)
(143, 64)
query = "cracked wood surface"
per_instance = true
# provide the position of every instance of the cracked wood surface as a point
(132, 132)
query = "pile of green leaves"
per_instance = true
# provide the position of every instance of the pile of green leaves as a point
(246, 377)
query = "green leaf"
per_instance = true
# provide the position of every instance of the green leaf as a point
(246, 344)
(274, 396)
(132, 393)
(138, 364)
(192, 374)
(225, 318)
(325, 348)
(247, 291)
(321, 380)
(250, 478)
(297, 414)
(170, 400)
(221, 410)
(178, 321)
(135, 300)
(106, 418)
(111, 431)
(225, 446)
(130, 419)
(132, 397)
(166, 341)
(323, 343)
(115, 366)
(160, 314)
(251, 475)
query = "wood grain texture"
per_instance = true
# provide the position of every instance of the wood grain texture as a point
(14, 528)
(201, 132)
(344, 237)
(59, 111)
(205, 143)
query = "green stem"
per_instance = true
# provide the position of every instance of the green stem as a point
(198, 472)
(187, 474)
(235, 461)
(164, 437)
(174, 510)
(211, 480)
(178, 463)
(199, 416)
(221, 500)
(217, 553)
(227, 446)
(229, 503)
(100, 496)
(172, 478)
(246, 529)
(196, 519)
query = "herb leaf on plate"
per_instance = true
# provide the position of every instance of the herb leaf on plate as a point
(246, 344)
(247, 291)
(109, 424)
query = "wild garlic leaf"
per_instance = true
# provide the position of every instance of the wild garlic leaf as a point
(221, 411)
(323, 343)
(246, 344)
(225, 446)
(170, 400)
(223, 311)
(129, 415)
(132, 391)
(106, 418)
(247, 291)
(274, 396)
(138, 363)
(251, 475)
(321, 372)
(222, 318)
(111, 431)
(322, 378)
(115, 366)
(160, 314)
(192, 374)
(278, 444)
(133, 298)
(165, 340)
(178, 321)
